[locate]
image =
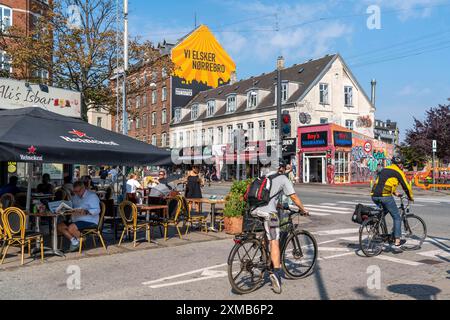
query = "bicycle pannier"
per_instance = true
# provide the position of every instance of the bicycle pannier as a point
(361, 213)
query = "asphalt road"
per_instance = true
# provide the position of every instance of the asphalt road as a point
(198, 270)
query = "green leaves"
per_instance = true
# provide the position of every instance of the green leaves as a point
(236, 205)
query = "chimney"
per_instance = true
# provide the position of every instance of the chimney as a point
(280, 63)
(233, 77)
(374, 86)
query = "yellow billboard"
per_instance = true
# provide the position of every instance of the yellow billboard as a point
(200, 58)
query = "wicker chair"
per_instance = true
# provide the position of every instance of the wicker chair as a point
(14, 224)
(128, 213)
(177, 211)
(195, 219)
(95, 231)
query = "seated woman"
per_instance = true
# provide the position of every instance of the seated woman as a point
(45, 187)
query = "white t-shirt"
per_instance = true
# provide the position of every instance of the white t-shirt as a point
(132, 185)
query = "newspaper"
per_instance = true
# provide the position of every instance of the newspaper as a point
(60, 207)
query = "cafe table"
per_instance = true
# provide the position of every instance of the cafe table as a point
(54, 250)
(148, 208)
(212, 203)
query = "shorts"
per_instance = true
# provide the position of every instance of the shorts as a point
(82, 224)
(271, 223)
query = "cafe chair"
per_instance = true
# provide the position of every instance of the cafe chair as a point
(176, 210)
(219, 217)
(7, 200)
(14, 226)
(198, 219)
(2, 233)
(95, 231)
(129, 214)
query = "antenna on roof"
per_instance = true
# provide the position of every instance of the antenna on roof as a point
(195, 20)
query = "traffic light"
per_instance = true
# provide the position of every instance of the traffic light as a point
(286, 124)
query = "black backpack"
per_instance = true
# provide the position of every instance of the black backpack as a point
(258, 192)
(361, 213)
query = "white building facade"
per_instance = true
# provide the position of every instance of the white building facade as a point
(318, 91)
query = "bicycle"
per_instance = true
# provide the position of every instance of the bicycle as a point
(373, 233)
(298, 255)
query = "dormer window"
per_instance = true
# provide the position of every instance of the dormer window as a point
(231, 104)
(194, 112)
(210, 108)
(177, 115)
(252, 99)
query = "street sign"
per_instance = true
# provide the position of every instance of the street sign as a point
(434, 145)
(289, 146)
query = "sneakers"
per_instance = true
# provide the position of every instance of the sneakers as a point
(402, 242)
(276, 282)
(74, 247)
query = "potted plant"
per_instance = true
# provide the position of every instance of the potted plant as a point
(235, 206)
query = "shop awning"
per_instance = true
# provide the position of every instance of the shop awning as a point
(38, 135)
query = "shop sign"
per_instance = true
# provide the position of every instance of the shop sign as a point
(289, 146)
(342, 139)
(12, 167)
(314, 139)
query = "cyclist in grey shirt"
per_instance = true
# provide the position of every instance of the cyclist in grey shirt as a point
(280, 186)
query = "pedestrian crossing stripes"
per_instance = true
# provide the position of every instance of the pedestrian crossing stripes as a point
(321, 210)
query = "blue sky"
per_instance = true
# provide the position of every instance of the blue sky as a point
(409, 55)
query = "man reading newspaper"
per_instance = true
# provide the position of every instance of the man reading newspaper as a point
(85, 215)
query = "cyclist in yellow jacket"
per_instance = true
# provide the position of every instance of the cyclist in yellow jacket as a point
(386, 187)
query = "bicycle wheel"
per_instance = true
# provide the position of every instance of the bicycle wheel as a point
(370, 239)
(246, 266)
(299, 254)
(414, 231)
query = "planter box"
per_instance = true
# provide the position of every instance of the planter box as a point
(233, 225)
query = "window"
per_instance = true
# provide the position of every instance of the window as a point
(230, 134)
(194, 138)
(181, 139)
(188, 138)
(99, 121)
(144, 100)
(252, 99)
(163, 139)
(138, 123)
(250, 131)
(231, 104)
(323, 120)
(194, 112)
(324, 93)
(177, 115)
(5, 61)
(164, 116)
(164, 94)
(129, 124)
(262, 130)
(284, 91)
(40, 74)
(203, 137)
(348, 96)
(240, 126)
(211, 136)
(138, 102)
(153, 118)
(154, 75)
(341, 165)
(163, 73)
(5, 17)
(210, 108)
(154, 96)
(220, 135)
(144, 121)
(349, 124)
(273, 128)
(154, 140)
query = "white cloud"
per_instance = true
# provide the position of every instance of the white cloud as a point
(408, 9)
(413, 91)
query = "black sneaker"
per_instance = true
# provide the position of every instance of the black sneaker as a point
(402, 242)
(275, 279)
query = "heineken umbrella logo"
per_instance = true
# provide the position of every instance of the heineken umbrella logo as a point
(81, 137)
(79, 134)
(31, 155)
(32, 150)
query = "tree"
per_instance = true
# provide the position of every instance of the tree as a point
(436, 126)
(75, 41)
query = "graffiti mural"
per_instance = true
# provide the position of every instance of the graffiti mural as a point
(367, 161)
(330, 174)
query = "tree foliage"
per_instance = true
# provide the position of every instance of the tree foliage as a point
(436, 126)
(77, 43)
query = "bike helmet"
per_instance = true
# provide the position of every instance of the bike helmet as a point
(282, 164)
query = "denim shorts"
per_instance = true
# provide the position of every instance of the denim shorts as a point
(83, 225)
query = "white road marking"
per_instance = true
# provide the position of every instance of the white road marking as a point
(336, 232)
(352, 239)
(356, 202)
(427, 200)
(187, 281)
(435, 253)
(331, 209)
(397, 260)
(319, 213)
(335, 249)
(328, 241)
(184, 274)
(329, 204)
(338, 255)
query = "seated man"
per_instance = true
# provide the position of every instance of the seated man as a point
(162, 189)
(11, 187)
(86, 214)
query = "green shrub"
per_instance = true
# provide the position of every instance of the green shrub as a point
(235, 205)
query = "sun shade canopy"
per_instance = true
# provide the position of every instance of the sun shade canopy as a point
(38, 135)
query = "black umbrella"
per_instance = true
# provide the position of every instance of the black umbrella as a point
(38, 135)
